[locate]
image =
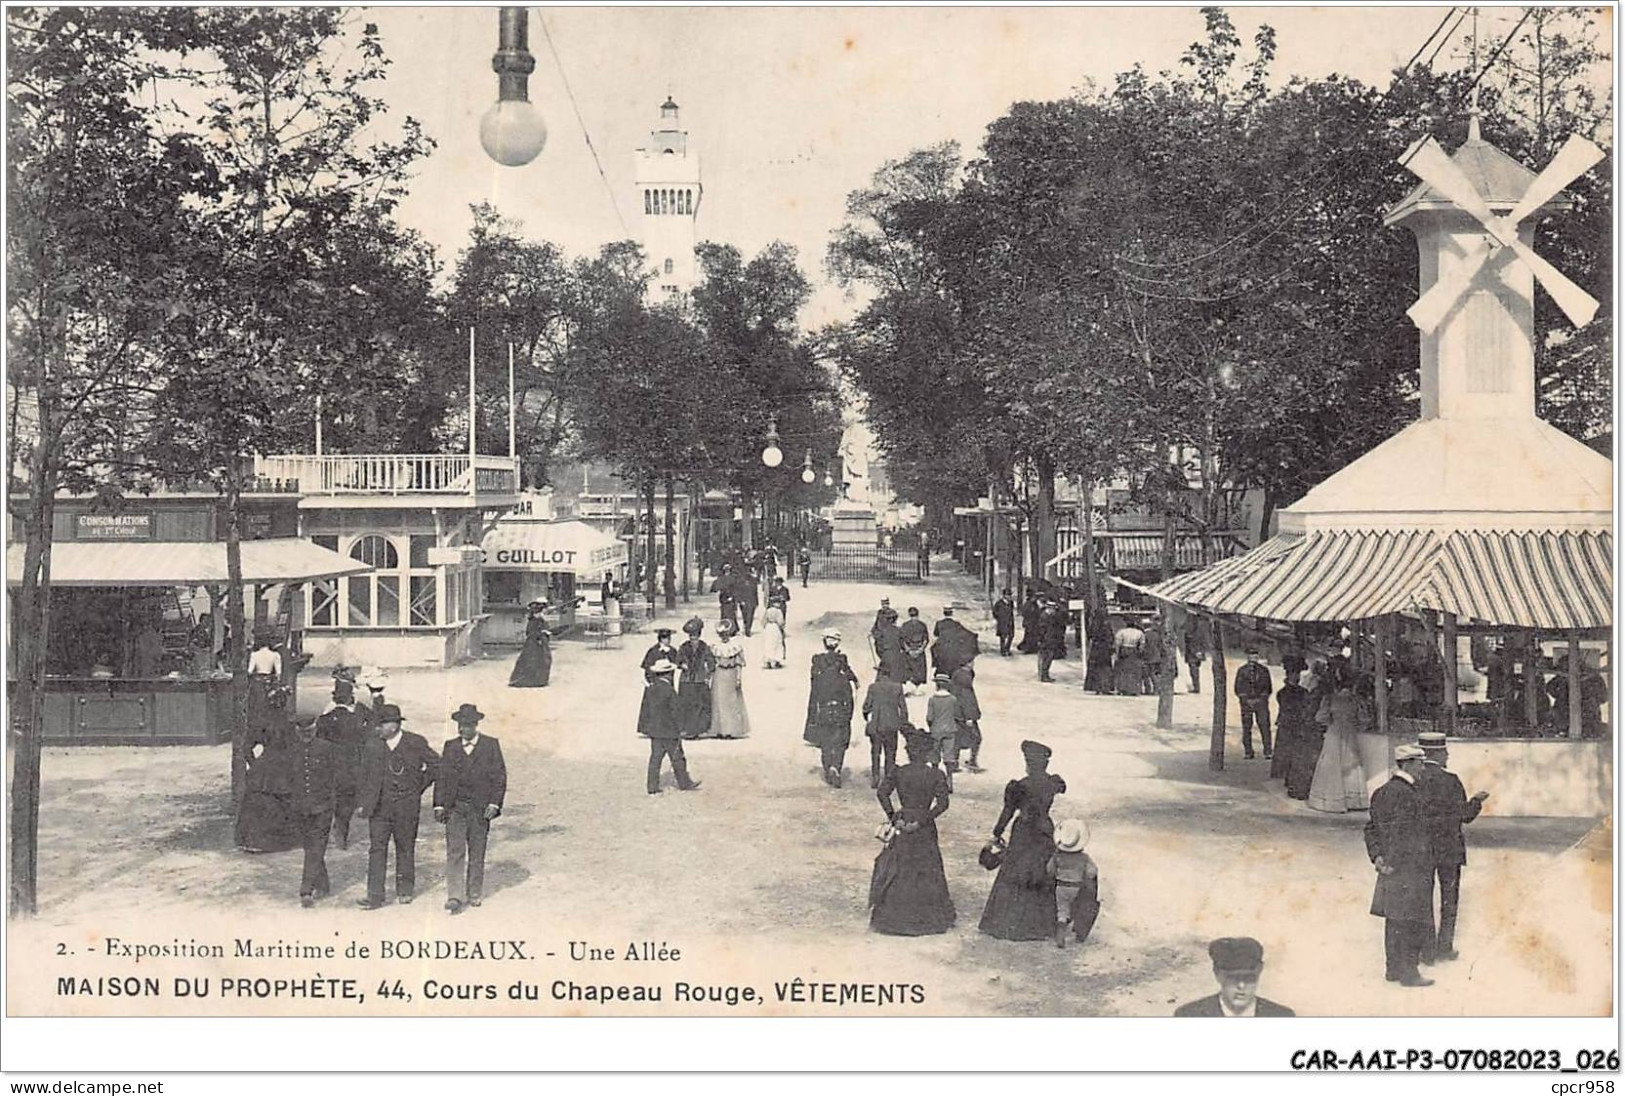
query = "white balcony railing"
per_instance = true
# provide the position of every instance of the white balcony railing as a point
(392, 473)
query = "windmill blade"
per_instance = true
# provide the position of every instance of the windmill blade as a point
(1574, 159)
(1429, 162)
(1578, 305)
(1431, 307)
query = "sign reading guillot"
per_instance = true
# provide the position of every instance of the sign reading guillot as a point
(572, 547)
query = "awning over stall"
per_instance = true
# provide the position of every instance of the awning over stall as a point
(183, 563)
(1547, 580)
(568, 547)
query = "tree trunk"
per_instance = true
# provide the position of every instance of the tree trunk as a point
(237, 642)
(1221, 701)
(747, 508)
(30, 632)
(1167, 670)
(1046, 515)
(1091, 581)
(671, 545)
(1266, 513)
(650, 569)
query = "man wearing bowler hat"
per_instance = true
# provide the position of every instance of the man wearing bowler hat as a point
(395, 768)
(1237, 963)
(467, 797)
(1396, 839)
(1447, 808)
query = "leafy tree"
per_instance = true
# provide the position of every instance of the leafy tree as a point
(95, 191)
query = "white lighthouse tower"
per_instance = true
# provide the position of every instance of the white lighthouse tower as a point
(667, 171)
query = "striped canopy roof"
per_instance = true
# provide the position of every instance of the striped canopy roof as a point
(1553, 580)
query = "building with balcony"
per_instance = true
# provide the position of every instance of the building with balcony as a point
(417, 521)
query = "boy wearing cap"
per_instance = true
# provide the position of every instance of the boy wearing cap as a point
(1396, 839)
(396, 766)
(467, 797)
(1237, 963)
(1447, 808)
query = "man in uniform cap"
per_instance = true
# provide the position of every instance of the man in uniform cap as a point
(1237, 962)
(396, 766)
(467, 797)
(1447, 808)
(1396, 839)
(314, 767)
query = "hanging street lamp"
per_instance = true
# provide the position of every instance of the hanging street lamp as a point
(807, 474)
(772, 455)
(512, 131)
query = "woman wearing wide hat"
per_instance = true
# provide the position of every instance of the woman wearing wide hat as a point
(829, 707)
(534, 666)
(696, 662)
(908, 892)
(728, 716)
(1021, 905)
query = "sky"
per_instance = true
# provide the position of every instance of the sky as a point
(790, 109)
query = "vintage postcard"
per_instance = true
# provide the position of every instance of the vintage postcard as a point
(860, 512)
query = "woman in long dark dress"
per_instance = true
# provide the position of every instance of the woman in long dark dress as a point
(1293, 712)
(1021, 905)
(909, 890)
(265, 820)
(534, 666)
(695, 665)
(829, 707)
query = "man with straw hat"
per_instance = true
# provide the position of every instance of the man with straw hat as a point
(467, 797)
(658, 722)
(1396, 839)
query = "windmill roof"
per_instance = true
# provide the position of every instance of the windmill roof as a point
(1499, 178)
(1518, 473)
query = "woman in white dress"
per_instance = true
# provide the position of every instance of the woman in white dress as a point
(728, 716)
(1339, 781)
(773, 629)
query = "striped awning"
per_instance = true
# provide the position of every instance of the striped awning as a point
(184, 563)
(1548, 580)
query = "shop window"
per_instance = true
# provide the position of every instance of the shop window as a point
(324, 602)
(388, 607)
(418, 552)
(376, 551)
(360, 600)
(502, 587)
(423, 600)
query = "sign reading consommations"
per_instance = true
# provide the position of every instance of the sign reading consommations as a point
(113, 526)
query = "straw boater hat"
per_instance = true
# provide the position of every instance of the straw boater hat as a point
(1432, 740)
(726, 628)
(539, 603)
(663, 666)
(1071, 836)
(467, 713)
(832, 633)
(1408, 753)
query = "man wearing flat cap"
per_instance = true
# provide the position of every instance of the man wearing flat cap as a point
(1447, 808)
(467, 797)
(1396, 839)
(1237, 963)
(396, 766)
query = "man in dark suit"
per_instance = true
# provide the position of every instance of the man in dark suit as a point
(1396, 839)
(726, 587)
(1253, 688)
(1004, 621)
(345, 729)
(314, 769)
(657, 721)
(395, 768)
(1237, 963)
(749, 596)
(1447, 809)
(467, 797)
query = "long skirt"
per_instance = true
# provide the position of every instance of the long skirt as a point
(913, 668)
(534, 666)
(1021, 905)
(694, 709)
(728, 716)
(1098, 677)
(1128, 676)
(1301, 759)
(1338, 785)
(265, 821)
(909, 890)
(775, 653)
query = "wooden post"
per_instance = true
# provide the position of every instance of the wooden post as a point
(1380, 650)
(1215, 754)
(1447, 711)
(1533, 681)
(1574, 685)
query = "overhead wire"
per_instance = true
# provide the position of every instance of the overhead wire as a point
(1426, 41)
(1446, 39)
(582, 122)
